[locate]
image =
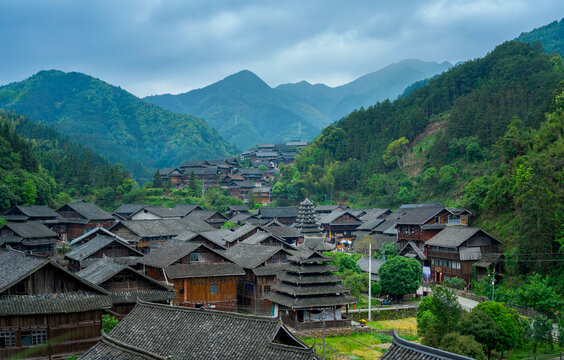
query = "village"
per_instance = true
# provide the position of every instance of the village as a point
(253, 288)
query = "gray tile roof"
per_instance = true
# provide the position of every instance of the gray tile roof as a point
(186, 333)
(94, 245)
(195, 270)
(29, 230)
(101, 270)
(67, 302)
(243, 208)
(283, 231)
(37, 211)
(370, 224)
(278, 212)
(454, 236)
(269, 270)
(406, 350)
(216, 236)
(111, 349)
(310, 301)
(363, 263)
(250, 256)
(90, 211)
(164, 227)
(16, 266)
(334, 215)
(98, 229)
(417, 215)
(238, 233)
(258, 237)
(131, 297)
(129, 208)
(169, 252)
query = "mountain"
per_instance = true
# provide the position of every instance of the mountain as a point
(246, 111)
(551, 37)
(112, 122)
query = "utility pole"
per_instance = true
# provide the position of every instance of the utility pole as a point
(493, 286)
(370, 281)
(324, 312)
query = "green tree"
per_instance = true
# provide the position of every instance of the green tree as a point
(463, 345)
(29, 193)
(400, 276)
(109, 322)
(388, 251)
(157, 180)
(193, 184)
(262, 168)
(541, 332)
(357, 283)
(507, 320)
(481, 327)
(395, 152)
(438, 315)
(251, 200)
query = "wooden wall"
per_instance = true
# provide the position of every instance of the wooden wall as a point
(47, 280)
(195, 292)
(67, 334)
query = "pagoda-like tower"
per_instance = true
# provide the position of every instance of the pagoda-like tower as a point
(306, 289)
(306, 223)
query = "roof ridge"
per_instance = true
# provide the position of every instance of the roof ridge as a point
(207, 311)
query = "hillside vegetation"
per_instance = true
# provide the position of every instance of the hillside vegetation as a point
(476, 136)
(551, 37)
(113, 122)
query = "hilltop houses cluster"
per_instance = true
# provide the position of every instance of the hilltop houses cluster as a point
(261, 164)
(148, 265)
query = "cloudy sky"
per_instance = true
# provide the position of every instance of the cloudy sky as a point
(154, 47)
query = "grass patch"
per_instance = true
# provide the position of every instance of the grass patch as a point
(353, 346)
(401, 325)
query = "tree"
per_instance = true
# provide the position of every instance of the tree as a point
(157, 180)
(356, 282)
(251, 200)
(395, 152)
(438, 315)
(541, 332)
(388, 251)
(262, 168)
(109, 322)
(561, 330)
(482, 327)
(29, 193)
(344, 261)
(400, 276)
(193, 184)
(462, 345)
(507, 320)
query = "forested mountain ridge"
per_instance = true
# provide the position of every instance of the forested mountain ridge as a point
(113, 122)
(39, 166)
(551, 37)
(246, 111)
(470, 137)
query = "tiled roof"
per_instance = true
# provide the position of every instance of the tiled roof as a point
(68, 302)
(257, 237)
(129, 208)
(216, 236)
(111, 349)
(418, 215)
(295, 290)
(406, 350)
(101, 270)
(454, 236)
(411, 249)
(164, 227)
(243, 230)
(243, 208)
(131, 297)
(16, 266)
(250, 256)
(90, 211)
(283, 231)
(37, 211)
(97, 229)
(370, 224)
(329, 218)
(363, 263)
(94, 245)
(169, 252)
(181, 271)
(269, 270)
(186, 333)
(30, 230)
(278, 212)
(309, 301)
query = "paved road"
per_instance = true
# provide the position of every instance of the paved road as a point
(467, 304)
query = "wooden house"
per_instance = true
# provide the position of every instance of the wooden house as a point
(144, 233)
(212, 239)
(288, 234)
(125, 211)
(287, 215)
(454, 251)
(340, 225)
(100, 246)
(262, 195)
(307, 292)
(83, 239)
(21, 213)
(46, 311)
(261, 264)
(31, 237)
(240, 189)
(251, 175)
(233, 210)
(78, 218)
(161, 212)
(240, 234)
(268, 239)
(155, 331)
(126, 285)
(321, 210)
(201, 276)
(212, 217)
(173, 173)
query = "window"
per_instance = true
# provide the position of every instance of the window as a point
(274, 260)
(7, 339)
(213, 288)
(266, 289)
(285, 260)
(34, 337)
(250, 287)
(194, 257)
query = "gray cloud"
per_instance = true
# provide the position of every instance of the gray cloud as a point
(155, 46)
